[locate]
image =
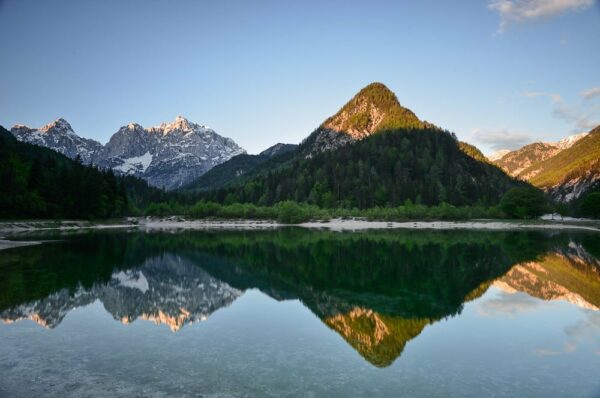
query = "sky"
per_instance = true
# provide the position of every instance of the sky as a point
(498, 73)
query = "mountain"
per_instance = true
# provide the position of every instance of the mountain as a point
(566, 169)
(59, 136)
(375, 108)
(278, 149)
(224, 173)
(572, 172)
(167, 156)
(497, 155)
(170, 155)
(374, 152)
(517, 161)
(514, 162)
(39, 182)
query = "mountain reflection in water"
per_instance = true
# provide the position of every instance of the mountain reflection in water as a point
(378, 290)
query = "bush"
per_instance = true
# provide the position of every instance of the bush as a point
(524, 203)
(590, 205)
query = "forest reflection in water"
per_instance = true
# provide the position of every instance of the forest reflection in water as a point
(377, 290)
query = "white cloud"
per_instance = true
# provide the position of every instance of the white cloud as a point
(591, 92)
(512, 11)
(555, 98)
(511, 304)
(501, 139)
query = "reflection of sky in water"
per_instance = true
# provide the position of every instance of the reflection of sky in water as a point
(501, 344)
(296, 313)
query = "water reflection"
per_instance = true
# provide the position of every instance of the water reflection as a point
(377, 290)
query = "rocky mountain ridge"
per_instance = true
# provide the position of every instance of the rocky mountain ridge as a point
(566, 169)
(167, 156)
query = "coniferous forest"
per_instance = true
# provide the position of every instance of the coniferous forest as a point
(424, 166)
(38, 182)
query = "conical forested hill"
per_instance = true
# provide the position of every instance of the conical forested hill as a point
(374, 152)
(373, 109)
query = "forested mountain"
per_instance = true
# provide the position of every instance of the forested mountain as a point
(224, 173)
(374, 152)
(38, 182)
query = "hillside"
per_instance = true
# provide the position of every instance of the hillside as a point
(515, 162)
(388, 159)
(40, 183)
(573, 171)
(224, 173)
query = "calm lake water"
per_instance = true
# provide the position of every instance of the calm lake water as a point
(296, 313)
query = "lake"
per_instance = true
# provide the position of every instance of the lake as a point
(301, 313)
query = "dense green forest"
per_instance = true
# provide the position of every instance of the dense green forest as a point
(38, 182)
(41, 183)
(425, 166)
(241, 166)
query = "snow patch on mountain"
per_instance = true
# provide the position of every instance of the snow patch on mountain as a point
(136, 164)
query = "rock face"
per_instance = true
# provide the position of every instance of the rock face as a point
(375, 108)
(167, 289)
(167, 156)
(514, 162)
(170, 155)
(60, 137)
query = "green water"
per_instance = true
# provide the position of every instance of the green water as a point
(295, 313)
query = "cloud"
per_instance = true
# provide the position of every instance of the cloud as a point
(501, 139)
(514, 11)
(591, 92)
(510, 304)
(533, 94)
(581, 118)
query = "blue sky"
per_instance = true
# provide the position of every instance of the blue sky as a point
(498, 73)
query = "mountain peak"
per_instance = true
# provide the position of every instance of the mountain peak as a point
(180, 123)
(374, 108)
(59, 124)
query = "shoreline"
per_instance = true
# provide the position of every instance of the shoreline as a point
(175, 222)
(13, 229)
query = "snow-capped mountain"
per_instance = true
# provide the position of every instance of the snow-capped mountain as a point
(568, 142)
(168, 156)
(59, 136)
(168, 289)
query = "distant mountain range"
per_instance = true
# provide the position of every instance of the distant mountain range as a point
(167, 156)
(567, 169)
(346, 161)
